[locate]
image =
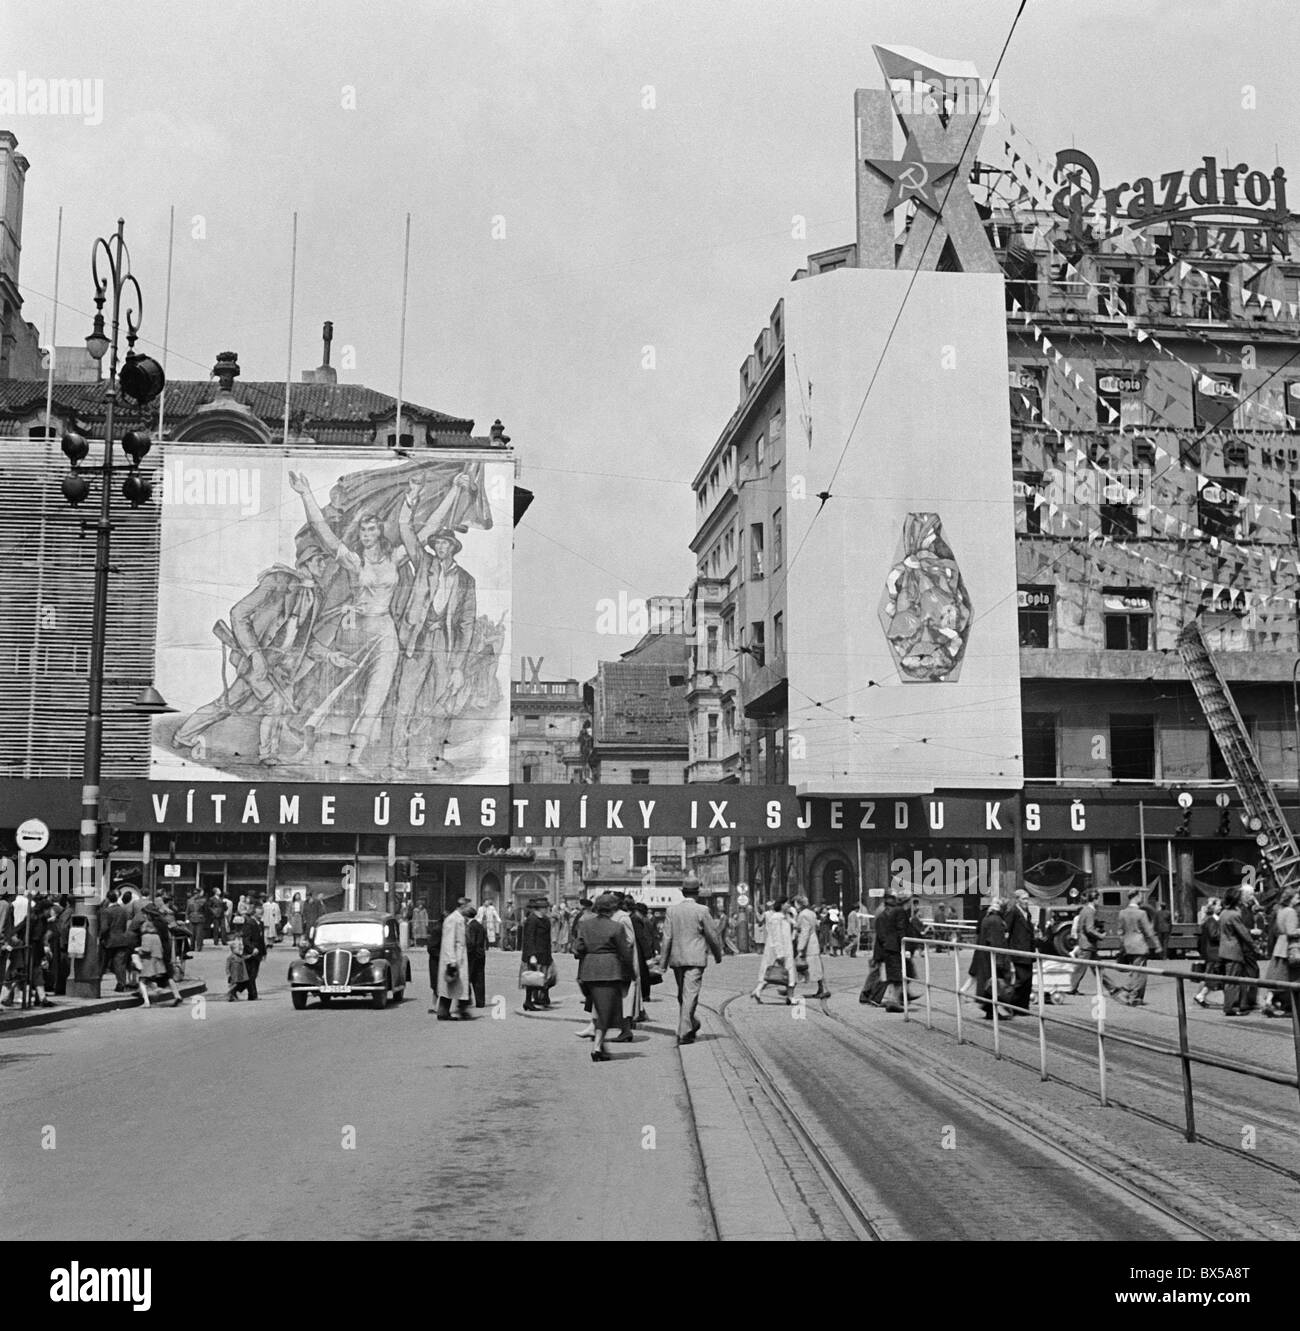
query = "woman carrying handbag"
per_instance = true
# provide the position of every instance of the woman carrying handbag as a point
(776, 966)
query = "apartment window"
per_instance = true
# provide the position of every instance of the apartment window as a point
(1116, 291)
(740, 556)
(778, 633)
(1039, 742)
(1025, 385)
(760, 347)
(640, 852)
(529, 773)
(760, 453)
(408, 441)
(777, 543)
(1218, 766)
(776, 425)
(1214, 400)
(1037, 612)
(1028, 487)
(711, 647)
(1117, 519)
(1290, 293)
(640, 776)
(1132, 747)
(757, 646)
(1220, 506)
(756, 551)
(532, 725)
(711, 738)
(729, 722)
(778, 330)
(1127, 612)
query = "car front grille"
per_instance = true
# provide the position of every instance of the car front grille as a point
(338, 966)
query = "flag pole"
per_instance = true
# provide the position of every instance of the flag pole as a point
(401, 341)
(167, 315)
(54, 330)
(293, 284)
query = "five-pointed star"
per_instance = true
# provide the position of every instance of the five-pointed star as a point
(913, 176)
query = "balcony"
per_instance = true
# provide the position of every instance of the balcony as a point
(1256, 666)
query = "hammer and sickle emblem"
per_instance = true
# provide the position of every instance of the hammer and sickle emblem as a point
(915, 176)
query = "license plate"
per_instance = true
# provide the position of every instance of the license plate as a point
(336, 988)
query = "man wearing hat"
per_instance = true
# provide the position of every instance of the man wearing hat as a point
(435, 632)
(535, 952)
(689, 936)
(453, 963)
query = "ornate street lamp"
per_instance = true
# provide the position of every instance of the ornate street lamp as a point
(141, 380)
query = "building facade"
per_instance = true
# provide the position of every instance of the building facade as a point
(638, 737)
(550, 728)
(1153, 466)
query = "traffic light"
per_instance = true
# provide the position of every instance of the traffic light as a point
(1225, 823)
(107, 840)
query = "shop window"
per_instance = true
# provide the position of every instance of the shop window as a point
(1220, 506)
(1132, 747)
(1127, 614)
(1039, 743)
(1037, 607)
(1119, 399)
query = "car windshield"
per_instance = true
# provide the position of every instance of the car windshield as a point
(368, 933)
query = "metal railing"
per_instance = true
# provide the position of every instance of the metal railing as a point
(1184, 1053)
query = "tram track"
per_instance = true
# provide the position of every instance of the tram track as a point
(1049, 1147)
(1120, 1066)
(855, 1215)
(1143, 1192)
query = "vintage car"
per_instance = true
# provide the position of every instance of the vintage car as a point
(350, 953)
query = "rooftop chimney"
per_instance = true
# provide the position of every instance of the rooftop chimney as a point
(324, 373)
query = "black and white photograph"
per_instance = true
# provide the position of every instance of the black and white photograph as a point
(749, 551)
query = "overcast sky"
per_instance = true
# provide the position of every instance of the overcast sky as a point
(624, 227)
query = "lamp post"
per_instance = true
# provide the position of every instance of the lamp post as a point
(141, 380)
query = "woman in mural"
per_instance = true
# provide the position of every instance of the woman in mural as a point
(368, 636)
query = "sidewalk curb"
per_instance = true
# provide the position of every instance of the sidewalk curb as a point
(16, 1020)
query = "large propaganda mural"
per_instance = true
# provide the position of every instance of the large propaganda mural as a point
(322, 618)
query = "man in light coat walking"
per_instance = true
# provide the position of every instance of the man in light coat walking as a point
(690, 935)
(453, 963)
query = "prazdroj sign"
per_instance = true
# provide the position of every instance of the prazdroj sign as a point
(1184, 202)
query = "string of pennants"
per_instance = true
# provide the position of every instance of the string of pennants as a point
(1033, 184)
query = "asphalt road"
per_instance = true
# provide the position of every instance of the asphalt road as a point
(257, 1121)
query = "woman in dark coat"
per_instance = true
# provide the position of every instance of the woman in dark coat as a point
(992, 932)
(605, 966)
(535, 953)
(1207, 944)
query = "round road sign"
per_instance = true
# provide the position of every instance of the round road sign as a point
(33, 835)
(741, 899)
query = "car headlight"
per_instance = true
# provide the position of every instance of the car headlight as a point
(311, 956)
(363, 956)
